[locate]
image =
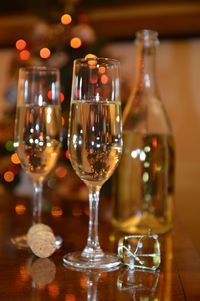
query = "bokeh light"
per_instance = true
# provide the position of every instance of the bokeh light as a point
(83, 281)
(54, 290)
(63, 121)
(75, 42)
(62, 97)
(90, 56)
(24, 55)
(20, 44)
(155, 142)
(94, 79)
(92, 63)
(15, 159)
(56, 211)
(66, 19)
(49, 94)
(102, 69)
(24, 274)
(70, 297)
(67, 154)
(104, 79)
(9, 146)
(8, 176)
(61, 171)
(45, 53)
(20, 209)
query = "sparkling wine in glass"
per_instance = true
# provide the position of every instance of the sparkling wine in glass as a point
(95, 145)
(37, 130)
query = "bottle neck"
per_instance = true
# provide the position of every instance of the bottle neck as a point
(146, 68)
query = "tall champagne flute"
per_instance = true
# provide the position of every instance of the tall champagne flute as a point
(37, 129)
(95, 145)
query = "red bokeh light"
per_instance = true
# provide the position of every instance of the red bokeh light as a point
(67, 154)
(24, 55)
(62, 97)
(20, 44)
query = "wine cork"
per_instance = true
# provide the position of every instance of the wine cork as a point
(41, 240)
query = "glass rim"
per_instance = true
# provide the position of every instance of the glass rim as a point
(39, 69)
(98, 59)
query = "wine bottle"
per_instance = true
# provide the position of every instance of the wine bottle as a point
(143, 188)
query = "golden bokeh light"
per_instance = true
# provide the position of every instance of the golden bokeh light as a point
(91, 60)
(9, 176)
(66, 19)
(15, 159)
(118, 118)
(20, 209)
(45, 53)
(102, 69)
(75, 42)
(90, 56)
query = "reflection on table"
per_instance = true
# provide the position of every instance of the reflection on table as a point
(26, 277)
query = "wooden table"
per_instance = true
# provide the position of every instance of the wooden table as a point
(25, 277)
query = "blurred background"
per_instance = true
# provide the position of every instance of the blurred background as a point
(55, 32)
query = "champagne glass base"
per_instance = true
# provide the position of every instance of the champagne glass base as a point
(107, 262)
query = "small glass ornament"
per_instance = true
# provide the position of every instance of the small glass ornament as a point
(140, 251)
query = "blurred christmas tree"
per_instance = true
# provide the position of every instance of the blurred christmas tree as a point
(62, 36)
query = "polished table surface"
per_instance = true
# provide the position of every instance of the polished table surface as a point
(25, 277)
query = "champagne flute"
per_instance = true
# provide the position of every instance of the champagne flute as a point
(95, 145)
(37, 130)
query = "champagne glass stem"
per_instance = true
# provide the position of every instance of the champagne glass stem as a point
(93, 248)
(37, 202)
